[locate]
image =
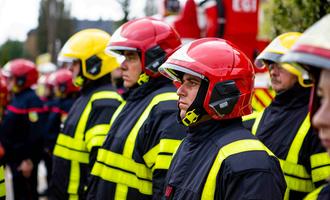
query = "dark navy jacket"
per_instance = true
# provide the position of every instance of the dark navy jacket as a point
(245, 175)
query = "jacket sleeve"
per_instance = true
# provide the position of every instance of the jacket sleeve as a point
(163, 135)
(98, 125)
(244, 179)
(315, 158)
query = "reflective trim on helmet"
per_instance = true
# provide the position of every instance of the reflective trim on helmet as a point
(65, 59)
(307, 59)
(168, 70)
(304, 78)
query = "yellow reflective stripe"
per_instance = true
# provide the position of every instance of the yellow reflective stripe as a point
(72, 143)
(164, 146)
(294, 169)
(256, 105)
(321, 173)
(116, 113)
(299, 184)
(256, 123)
(68, 154)
(320, 159)
(80, 130)
(260, 93)
(121, 192)
(130, 141)
(3, 184)
(251, 116)
(162, 162)
(295, 147)
(124, 163)
(226, 151)
(74, 180)
(95, 136)
(122, 177)
(315, 194)
(73, 197)
(96, 141)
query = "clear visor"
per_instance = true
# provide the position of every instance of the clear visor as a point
(66, 62)
(171, 72)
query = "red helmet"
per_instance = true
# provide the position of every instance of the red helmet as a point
(153, 39)
(64, 81)
(3, 92)
(228, 72)
(24, 71)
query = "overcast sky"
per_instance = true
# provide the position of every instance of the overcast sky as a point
(17, 17)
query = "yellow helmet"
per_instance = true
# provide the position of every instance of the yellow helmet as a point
(88, 47)
(276, 49)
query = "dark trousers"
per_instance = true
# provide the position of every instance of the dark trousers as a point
(24, 188)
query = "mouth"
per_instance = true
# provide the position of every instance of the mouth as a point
(326, 143)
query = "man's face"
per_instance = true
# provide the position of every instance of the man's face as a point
(187, 92)
(281, 79)
(131, 68)
(321, 119)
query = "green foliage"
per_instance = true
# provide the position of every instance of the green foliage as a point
(10, 50)
(294, 15)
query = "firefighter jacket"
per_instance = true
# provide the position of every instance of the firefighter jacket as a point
(284, 127)
(23, 127)
(135, 157)
(222, 160)
(57, 113)
(84, 131)
(321, 193)
(261, 98)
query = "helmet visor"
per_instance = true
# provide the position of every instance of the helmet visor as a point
(175, 72)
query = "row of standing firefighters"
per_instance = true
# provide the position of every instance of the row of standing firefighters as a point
(154, 141)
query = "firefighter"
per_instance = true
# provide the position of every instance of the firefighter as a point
(65, 94)
(312, 52)
(3, 103)
(219, 158)
(133, 161)
(22, 128)
(88, 120)
(284, 126)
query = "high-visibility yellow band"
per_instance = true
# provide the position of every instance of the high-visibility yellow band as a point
(294, 169)
(236, 147)
(162, 162)
(96, 141)
(321, 173)
(73, 197)
(99, 129)
(74, 179)
(116, 113)
(2, 185)
(251, 116)
(122, 177)
(320, 159)
(297, 142)
(256, 105)
(164, 146)
(68, 154)
(124, 163)
(315, 194)
(299, 184)
(256, 122)
(72, 143)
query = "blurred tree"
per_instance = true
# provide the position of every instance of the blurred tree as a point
(10, 50)
(125, 7)
(55, 26)
(294, 15)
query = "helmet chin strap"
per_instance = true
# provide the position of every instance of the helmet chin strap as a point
(144, 78)
(196, 110)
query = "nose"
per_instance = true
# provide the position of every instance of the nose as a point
(123, 65)
(181, 91)
(321, 117)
